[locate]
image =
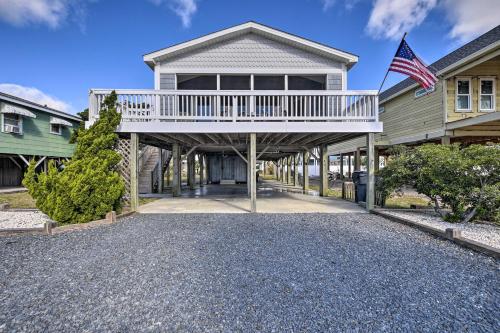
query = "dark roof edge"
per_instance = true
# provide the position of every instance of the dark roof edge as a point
(39, 107)
(476, 45)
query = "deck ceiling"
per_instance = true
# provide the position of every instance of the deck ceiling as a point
(272, 145)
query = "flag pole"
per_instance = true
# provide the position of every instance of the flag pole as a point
(387, 72)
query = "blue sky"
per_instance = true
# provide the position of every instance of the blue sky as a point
(54, 51)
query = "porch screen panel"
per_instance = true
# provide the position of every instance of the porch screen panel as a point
(235, 82)
(306, 82)
(269, 82)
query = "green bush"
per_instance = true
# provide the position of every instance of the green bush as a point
(89, 186)
(467, 181)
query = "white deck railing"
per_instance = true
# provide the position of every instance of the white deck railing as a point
(240, 106)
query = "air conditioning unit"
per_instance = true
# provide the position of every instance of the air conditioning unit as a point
(11, 129)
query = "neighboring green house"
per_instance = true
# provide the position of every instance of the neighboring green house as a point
(31, 131)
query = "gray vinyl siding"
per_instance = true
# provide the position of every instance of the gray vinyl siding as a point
(167, 81)
(334, 81)
(250, 51)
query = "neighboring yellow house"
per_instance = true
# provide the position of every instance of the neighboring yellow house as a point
(464, 105)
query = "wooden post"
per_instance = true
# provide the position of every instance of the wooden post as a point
(253, 161)
(323, 170)
(305, 170)
(370, 166)
(134, 171)
(289, 169)
(160, 171)
(201, 161)
(341, 166)
(357, 160)
(295, 169)
(176, 169)
(349, 171)
(191, 171)
(376, 159)
(249, 170)
(445, 140)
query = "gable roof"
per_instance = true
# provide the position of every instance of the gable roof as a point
(445, 64)
(23, 102)
(252, 27)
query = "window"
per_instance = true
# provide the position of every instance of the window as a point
(486, 94)
(306, 82)
(463, 93)
(269, 82)
(381, 109)
(12, 123)
(235, 82)
(196, 82)
(55, 129)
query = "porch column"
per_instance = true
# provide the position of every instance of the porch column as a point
(323, 170)
(296, 170)
(445, 140)
(357, 160)
(253, 161)
(349, 171)
(376, 159)
(160, 171)
(289, 170)
(191, 171)
(305, 170)
(370, 166)
(134, 171)
(201, 161)
(176, 169)
(249, 170)
(341, 166)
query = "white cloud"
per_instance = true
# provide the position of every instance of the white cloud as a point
(36, 96)
(24, 12)
(185, 9)
(390, 19)
(348, 4)
(52, 13)
(470, 19)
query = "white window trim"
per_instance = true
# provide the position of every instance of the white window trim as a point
(21, 130)
(55, 133)
(493, 94)
(469, 95)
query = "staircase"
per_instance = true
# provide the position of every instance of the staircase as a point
(149, 158)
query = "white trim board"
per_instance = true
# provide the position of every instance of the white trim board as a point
(250, 127)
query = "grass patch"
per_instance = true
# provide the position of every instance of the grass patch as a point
(406, 201)
(18, 200)
(332, 192)
(143, 201)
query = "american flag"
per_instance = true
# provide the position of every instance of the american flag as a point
(406, 62)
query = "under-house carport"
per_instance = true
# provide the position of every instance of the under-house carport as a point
(226, 169)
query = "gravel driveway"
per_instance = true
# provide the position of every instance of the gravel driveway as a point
(246, 272)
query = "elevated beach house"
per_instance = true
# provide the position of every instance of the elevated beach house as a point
(463, 106)
(31, 131)
(242, 94)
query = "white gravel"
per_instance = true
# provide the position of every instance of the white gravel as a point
(485, 233)
(22, 219)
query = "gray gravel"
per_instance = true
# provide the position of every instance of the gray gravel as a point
(22, 219)
(484, 233)
(246, 272)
